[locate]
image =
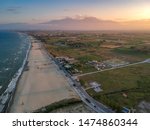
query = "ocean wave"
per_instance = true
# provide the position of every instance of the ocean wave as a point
(12, 85)
(6, 69)
(16, 58)
(6, 60)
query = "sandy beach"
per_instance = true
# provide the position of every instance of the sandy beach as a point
(41, 83)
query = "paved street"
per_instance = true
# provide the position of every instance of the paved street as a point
(123, 66)
(87, 99)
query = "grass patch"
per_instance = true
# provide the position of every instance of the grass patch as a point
(59, 104)
(136, 51)
(86, 58)
(133, 80)
(128, 51)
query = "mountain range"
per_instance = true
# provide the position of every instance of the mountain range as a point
(86, 23)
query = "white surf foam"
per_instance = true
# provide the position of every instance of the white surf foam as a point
(12, 85)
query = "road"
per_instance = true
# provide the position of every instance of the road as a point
(85, 97)
(123, 66)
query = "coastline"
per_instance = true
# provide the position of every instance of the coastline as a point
(41, 82)
(6, 98)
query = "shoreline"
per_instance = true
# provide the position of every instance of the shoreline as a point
(39, 66)
(6, 98)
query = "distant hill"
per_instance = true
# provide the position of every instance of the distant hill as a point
(86, 23)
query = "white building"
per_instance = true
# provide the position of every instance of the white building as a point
(96, 86)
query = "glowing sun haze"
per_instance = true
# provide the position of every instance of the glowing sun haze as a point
(39, 11)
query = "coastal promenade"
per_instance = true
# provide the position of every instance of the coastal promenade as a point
(41, 83)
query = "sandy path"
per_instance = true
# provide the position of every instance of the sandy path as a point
(42, 84)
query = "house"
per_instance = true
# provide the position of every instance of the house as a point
(125, 95)
(67, 66)
(96, 86)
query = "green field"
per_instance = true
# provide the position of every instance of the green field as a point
(57, 105)
(140, 51)
(133, 81)
(131, 47)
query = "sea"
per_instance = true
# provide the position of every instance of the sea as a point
(14, 49)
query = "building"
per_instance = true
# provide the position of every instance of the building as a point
(96, 86)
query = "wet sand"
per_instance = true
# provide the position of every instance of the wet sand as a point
(41, 84)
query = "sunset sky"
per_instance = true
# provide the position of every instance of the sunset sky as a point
(36, 11)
